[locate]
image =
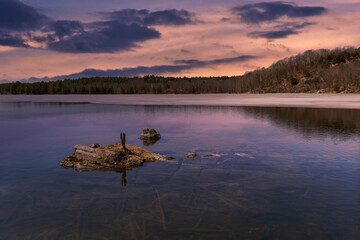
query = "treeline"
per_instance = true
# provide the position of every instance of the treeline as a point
(313, 71)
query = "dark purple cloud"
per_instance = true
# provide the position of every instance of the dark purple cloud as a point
(281, 31)
(7, 39)
(64, 28)
(273, 34)
(16, 16)
(270, 11)
(168, 17)
(147, 18)
(127, 16)
(111, 37)
(122, 30)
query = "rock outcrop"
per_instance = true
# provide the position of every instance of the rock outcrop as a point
(110, 158)
(149, 136)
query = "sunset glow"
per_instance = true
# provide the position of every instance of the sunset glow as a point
(47, 38)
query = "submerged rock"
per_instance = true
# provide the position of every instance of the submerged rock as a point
(110, 158)
(245, 155)
(213, 155)
(191, 155)
(149, 136)
(162, 157)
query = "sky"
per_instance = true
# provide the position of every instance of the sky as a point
(52, 39)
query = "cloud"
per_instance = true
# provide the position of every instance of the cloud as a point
(178, 66)
(281, 31)
(127, 16)
(65, 28)
(147, 18)
(15, 15)
(198, 63)
(273, 34)
(168, 17)
(6, 39)
(109, 37)
(295, 25)
(122, 30)
(269, 11)
(44, 39)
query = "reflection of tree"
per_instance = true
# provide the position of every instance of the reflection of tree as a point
(123, 179)
(311, 122)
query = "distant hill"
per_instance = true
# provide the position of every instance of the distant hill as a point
(314, 71)
(4, 81)
(317, 71)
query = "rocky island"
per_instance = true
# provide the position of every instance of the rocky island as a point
(115, 157)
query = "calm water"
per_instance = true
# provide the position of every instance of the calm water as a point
(281, 173)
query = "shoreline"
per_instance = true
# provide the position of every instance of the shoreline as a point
(303, 100)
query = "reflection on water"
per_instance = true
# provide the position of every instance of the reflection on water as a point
(123, 179)
(267, 181)
(149, 142)
(311, 122)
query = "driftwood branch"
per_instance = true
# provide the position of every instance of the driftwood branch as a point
(123, 140)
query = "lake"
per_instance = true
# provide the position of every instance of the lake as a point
(277, 173)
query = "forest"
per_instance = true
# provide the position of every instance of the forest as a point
(314, 71)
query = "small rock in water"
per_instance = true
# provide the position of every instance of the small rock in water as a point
(191, 155)
(213, 155)
(149, 136)
(161, 157)
(244, 155)
(149, 133)
(94, 145)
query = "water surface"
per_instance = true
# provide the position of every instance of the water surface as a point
(340, 101)
(280, 173)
